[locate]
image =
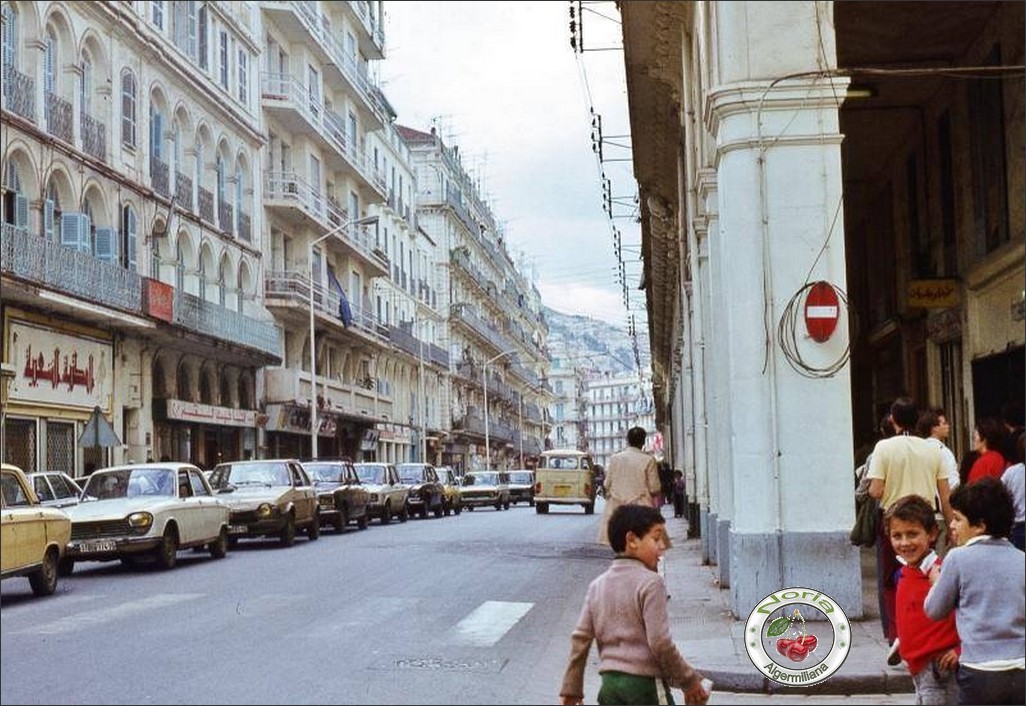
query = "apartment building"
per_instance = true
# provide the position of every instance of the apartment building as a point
(617, 402)
(569, 407)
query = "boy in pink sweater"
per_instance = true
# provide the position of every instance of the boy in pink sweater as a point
(930, 648)
(625, 612)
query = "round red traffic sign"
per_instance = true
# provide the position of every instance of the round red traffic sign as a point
(821, 311)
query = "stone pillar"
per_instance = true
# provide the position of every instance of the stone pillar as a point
(779, 187)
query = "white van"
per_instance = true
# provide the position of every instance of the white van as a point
(564, 477)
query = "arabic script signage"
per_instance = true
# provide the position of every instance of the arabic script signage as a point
(58, 368)
(158, 299)
(182, 411)
(933, 293)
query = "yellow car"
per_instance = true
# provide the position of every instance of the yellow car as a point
(33, 537)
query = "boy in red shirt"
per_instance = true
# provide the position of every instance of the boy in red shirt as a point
(930, 648)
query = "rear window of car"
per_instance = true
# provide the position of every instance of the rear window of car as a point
(565, 463)
(326, 472)
(520, 478)
(371, 474)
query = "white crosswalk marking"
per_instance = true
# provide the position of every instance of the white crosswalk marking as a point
(94, 618)
(487, 623)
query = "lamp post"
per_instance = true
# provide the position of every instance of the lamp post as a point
(484, 374)
(520, 421)
(313, 340)
(423, 395)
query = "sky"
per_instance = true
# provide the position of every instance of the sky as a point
(500, 80)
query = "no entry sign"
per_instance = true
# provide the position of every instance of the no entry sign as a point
(821, 311)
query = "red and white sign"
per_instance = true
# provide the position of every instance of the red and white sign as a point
(821, 311)
(58, 368)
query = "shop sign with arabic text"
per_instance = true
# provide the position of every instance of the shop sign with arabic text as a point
(933, 293)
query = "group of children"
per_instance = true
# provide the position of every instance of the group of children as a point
(961, 626)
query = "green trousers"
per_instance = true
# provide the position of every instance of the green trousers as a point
(623, 688)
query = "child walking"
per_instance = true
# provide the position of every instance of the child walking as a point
(930, 648)
(984, 578)
(625, 612)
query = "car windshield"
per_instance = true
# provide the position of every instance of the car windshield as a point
(371, 474)
(411, 472)
(130, 483)
(324, 472)
(563, 463)
(481, 479)
(241, 474)
(520, 477)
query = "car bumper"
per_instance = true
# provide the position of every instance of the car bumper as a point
(109, 548)
(480, 502)
(260, 528)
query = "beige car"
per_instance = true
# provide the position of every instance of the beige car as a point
(33, 537)
(267, 498)
(564, 477)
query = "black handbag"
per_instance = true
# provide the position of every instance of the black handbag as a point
(867, 517)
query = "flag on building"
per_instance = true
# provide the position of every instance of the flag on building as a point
(344, 311)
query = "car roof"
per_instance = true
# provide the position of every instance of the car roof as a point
(260, 460)
(154, 465)
(565, 452)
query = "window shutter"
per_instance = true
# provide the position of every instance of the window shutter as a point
(10, 38)
(130, 240)
(85, 233)
(202, 36)
(48, 69)
(20, 211)
(48, 214)
(157, 135)
(70, 229)
(190, 26)
(105, 245)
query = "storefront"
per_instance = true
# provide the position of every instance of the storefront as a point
(288, 433)
(202, 434)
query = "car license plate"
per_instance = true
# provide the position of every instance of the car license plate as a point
(237, 529)
(563, 489)
(93, 547)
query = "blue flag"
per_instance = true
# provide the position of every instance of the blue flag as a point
(344, 312)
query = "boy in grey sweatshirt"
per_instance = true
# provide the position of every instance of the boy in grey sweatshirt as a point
(984, 580)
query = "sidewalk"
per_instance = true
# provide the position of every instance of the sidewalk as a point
(712, 640)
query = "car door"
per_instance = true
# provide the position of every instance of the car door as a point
(395, 489)
(23, 525)
(188, 510)
(304, 496)
(211, 511)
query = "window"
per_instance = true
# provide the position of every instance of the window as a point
(10, 41)
(202, 33)
(314, 89)
(128, 230)
(156, 133)
(86, 86)
(158, 13)
(184, 18)
(128, 109)
(243, 78)
(222, 38)
(50, 62)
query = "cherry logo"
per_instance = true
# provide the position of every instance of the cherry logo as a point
(799, 644)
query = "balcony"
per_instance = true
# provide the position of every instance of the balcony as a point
(19, 93)
(183, 191)
(465, 313)
(62, 269)
(224, 217)
(349, 398)
(58, 117)
(214, 320)
(291, 289)
(206, 205)
(160, 176)
(361, 10)
(94, 137)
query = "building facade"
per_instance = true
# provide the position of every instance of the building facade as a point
(776, 147)
(616, 402)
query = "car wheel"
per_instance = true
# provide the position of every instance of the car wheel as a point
(458, 509)
(440, 510)
(219, 547)
(589, 509)
(362, 522)
(470, 508)
(44, 579)
(447, 509)
(506, 505)
(167, 551)
(542, 508)
(65, 567)
(288, 532)
(423, 511)
(530, 503)
(386, 514)
(343, 520)
(498, 505)
(313, 530)
(405, 513)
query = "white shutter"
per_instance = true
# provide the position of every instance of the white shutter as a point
(70, 229)
(130, 240)
(20, 211)
(85, 239)
(49, 78)
(106, 244)
(48, 214)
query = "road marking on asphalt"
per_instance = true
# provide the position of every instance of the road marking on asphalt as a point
(94, 618)
(487, 623)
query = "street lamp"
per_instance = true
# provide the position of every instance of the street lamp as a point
(484, 374)
(313, 340)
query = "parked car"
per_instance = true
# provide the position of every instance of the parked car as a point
(268, 498)
(564, 477)
(426, 492)
(145, 511)
(32, 537)
(387, 493)
(341, 498)
(451, 486)
(55, 488)
(521, 487)
(482, 488)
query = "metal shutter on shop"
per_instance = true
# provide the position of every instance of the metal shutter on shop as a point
(60, 447)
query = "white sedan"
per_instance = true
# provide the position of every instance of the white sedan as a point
(145, 511)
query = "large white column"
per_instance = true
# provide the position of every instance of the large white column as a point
(779, 188)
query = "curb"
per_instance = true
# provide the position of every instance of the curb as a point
(732, 680)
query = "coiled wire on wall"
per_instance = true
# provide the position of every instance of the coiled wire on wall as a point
(787, 334)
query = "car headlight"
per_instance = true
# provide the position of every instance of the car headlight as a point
(264, 510)
(140, 520)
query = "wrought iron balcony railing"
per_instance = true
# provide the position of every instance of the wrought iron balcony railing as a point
(245, 227)
(19, 93)
(224, 216)
(183, 190)
(94, 137)
(160, 176)
(210, 319)
(206, 205)
(58, 117)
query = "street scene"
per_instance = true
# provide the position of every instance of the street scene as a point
(410, 352)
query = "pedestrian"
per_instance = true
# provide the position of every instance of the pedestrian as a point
(679, 494)
(902, 465)
(1014, 480)
(665, 484)
(930, 648)
(934, 427)
(625, 613)
(984, 581)
(988, 438)
(1012, 420)
(631, 479)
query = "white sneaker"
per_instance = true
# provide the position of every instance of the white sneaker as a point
(893, 658)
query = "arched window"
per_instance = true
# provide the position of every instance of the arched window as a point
(128, 231)
(52, 212)
(180, 268)
(156, 132)
(221, 180)
(15, 202)
(86, 86)
(226, 390)
(183, 384)
(205, 391)
(128, 109)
